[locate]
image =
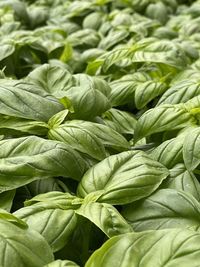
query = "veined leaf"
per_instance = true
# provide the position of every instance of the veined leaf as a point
(191, 149)
(56, 224)
(105, 135)
(123, 90)
(26, 159)
(147, 91)
(170, 152)
(51, 78)
(182, 179)
(167, 208)
(181, 92)
(156, 248)
(106, 217)
(22, 247)
(121, 121)
(79, 138)
(23, 100)
(22, 125)
(123, 178)
(163, 118)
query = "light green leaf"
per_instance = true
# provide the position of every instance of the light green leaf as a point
(191, 149)
(163, 118)
(6, 200)
(58, 118)
(6, 50)
(167, 208)
(182, 179)
(22, 125)
(181, 92)
(24, 100)
(123, 178)
(26, 159)
(147, 91)
(22, 247)
(106, 135)
(51, 78)
(123, 90)
(175, 247)
(106, 217)
(55, 224)
(170, 152)
(113, 38)
(121, 121)
(78, 138)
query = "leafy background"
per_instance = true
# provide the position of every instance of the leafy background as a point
(99, 133)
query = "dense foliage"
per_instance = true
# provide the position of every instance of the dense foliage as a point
(99, 133)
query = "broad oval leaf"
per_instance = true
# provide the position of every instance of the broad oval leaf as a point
(51, 78)
(26, 159)
(54, 224)
(22, 247)
(25, 100)
(79, 138)
(167, 208)
(123, 178)
(175, 247)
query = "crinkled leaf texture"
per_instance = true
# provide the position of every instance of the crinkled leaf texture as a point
(162, 248)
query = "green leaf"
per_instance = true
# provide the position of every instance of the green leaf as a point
(22, 247)
(106, 135)
(181, 92)
(182, 179)
(4, 215)
(123, 90)
(123, 178)
(121, 121)
(6, 200)
(58, 118)
(24, 100)
(170, 152)
(153, 248)
(147, 91)
(167, 208)
(51, 78)
(163, 118)
(54, 224)
(106, 217)
(6, 50)
(22, 125)
(26, 159)
(113, 38)
(191, 148)
(79, 138)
